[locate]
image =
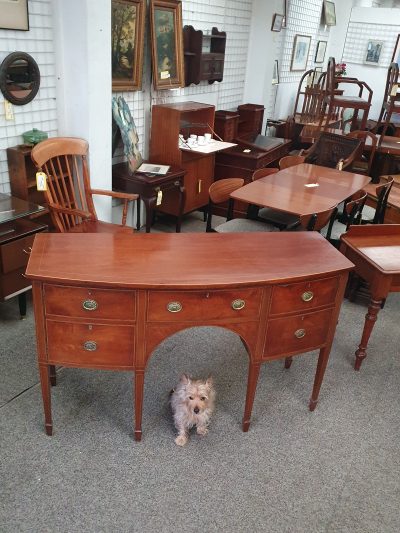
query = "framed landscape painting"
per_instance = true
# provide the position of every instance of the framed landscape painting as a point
(329, 13)
(373, 53)
(301, 47)
(320, 52)
(127, 31)
(167, 44)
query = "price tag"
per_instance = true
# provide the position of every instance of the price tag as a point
(394, 90)
(159, 198)
(41, 181)
(164, 75)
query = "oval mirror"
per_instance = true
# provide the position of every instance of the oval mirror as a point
(19, 78)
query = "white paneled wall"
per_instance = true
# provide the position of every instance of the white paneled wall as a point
(41, 113)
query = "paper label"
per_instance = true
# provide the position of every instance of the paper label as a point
(394, 90)
(159, 198)
(165, 74)
(41, 181)
(311, 185)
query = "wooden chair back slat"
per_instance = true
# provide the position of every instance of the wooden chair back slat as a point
(263, 172)
(317, 221)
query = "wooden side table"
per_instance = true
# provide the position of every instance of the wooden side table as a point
(375, 251)
(149, 187)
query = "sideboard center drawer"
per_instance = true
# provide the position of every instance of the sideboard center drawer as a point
(90, 303)
(176, 306)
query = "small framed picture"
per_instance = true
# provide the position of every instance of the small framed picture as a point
(301, 47)
(277, 22)
(320, 51)
(275, 73)
(373, 53)
(285, 13)
(329, 13)
(14, 15)
(396, 51)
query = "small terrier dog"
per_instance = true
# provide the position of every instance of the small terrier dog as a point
(192, 403)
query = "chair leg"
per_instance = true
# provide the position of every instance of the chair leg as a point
(288, 362)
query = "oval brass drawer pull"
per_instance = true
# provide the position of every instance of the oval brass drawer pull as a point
(89, 305)
(300, 333)
(238, 304)
(307, 296)
(90, 346)
(174, 307)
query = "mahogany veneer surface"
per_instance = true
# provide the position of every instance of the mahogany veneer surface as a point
(107, 301)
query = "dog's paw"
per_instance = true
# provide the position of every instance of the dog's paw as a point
(181, 440)
(202, 431)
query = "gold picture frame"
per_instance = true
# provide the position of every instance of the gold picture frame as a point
(127, 39)
(167, 44)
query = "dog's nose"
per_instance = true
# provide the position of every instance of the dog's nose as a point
(196, 410)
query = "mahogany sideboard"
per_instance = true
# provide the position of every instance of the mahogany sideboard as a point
(105, 301)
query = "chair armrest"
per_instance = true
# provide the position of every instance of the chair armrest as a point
(114, 194)
(69, 211)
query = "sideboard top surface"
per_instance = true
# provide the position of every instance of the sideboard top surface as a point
(170, 260)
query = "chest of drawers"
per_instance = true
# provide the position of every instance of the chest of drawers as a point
(107, 302)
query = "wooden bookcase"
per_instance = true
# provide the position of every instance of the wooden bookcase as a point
(204, 55)
(167, 122)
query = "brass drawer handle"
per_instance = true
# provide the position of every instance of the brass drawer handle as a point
(300, 333)
(90, 346)
(174, 307)
(307, 296)
(238, 304)
(89, 305)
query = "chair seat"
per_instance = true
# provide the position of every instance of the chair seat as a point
(337, 230)
(243, 224)
(278, 217)
(351, 101)
(368, 213)
(96, 226)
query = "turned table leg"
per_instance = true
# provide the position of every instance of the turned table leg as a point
(44, 372)
(254, 371)
(139, 386)
(370, 319)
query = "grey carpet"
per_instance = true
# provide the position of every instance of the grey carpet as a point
(334, 470)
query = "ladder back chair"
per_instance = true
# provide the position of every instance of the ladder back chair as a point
(69, 194)
(391, 100)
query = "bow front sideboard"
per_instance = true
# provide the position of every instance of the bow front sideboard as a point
(106, 302)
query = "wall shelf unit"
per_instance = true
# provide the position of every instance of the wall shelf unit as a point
(204, 55)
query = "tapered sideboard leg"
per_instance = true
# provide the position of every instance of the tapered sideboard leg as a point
(139, 386)
(319, 375)
(254, 372)
(44, 371)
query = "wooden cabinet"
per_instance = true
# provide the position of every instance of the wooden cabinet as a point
(22, 174)
(141, 289)
(204, 55)
(167, 122)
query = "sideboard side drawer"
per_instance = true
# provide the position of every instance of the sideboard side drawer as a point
(90, 303)
(90, 344)
(303, 296)
(173, 306)
(15, 254)
(297, 334)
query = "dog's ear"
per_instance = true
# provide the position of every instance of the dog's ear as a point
(210, 381)
(185, 379)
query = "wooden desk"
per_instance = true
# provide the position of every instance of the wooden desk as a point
(105, 301)
(375, 250)
(148, 187)
(289, 190)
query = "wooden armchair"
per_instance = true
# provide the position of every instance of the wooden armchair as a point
(69, 194)
(363, 161)
(333, 151)
(334, 103)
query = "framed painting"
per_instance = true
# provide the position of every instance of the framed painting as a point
(320, 51)
(396, 51)
(167, 44)
(14, 15)
(301, 47)
(329, 13)
(127, 31)
(373, 53)
(277, 22)
(275, 73)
